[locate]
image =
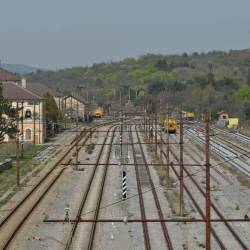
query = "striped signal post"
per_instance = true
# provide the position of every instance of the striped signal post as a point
(124, 184)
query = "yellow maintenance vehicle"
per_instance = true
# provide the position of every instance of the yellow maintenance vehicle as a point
(98, 113)
(170, 125)
(188, 116)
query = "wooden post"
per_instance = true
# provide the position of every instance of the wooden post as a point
(156, 134)
(34, 123)
(22, 129)
(168, 148)
(39, 122)
(181, 167)
(17, 147)
(208, 198)
(65, 107)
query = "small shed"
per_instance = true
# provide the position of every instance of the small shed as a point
(233, 123)
(223, 115)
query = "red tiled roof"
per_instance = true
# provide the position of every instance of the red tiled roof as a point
(6, 76)
(222, 112)
(13, 91)
(79, 99)
(41, 89)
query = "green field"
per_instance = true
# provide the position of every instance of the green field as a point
(27, 164)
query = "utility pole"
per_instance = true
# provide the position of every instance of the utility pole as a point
(208, 198)
(77, 135)
(17, 147)
(120, 96)
(65, 107)
(22, 130)
(161, 140)
(144, 119)
(156, 134)
(34, 123)
(168, 145)
(181, 166)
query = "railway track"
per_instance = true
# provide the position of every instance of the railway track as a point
(228, 154)
(141, 200)
(236, 135)
(213, 177)
(87, 193)
(156, 199)
(14, 221)
(199, 209)
(231, 146)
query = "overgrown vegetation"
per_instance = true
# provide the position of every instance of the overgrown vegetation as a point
(7, 117)
(185, 80)
(27, 165)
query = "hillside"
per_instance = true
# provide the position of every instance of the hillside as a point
(185, 77)
(19, 68)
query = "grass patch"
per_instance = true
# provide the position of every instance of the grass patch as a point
(171, 194)
(173, 200)
(27, 164)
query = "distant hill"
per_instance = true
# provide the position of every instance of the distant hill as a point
(182, 80)
(19, 68)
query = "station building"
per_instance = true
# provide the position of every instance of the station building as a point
(31, 115)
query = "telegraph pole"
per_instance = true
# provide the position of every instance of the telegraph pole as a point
(17, 147)
(208, 198)
(168, 145)
(155, 133)
(77, 135)
(65, 107)
(181, 166)
(22, 129)
(34, 123)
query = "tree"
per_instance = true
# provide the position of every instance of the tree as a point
(243, 94)
(155, 87)
(248, 77)
(7, 117)
(52, 112)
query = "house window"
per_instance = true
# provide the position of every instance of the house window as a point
(28, 114)
(28, 134)
(224, 117)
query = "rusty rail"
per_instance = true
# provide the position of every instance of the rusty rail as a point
(157, 202)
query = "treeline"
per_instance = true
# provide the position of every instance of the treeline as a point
(184, 80)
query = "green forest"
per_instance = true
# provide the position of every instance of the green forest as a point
(212, 81)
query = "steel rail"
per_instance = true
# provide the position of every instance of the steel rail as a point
(7, 218)
(213, 206)
(197, 206)
(157, 202)
(140, 195)
(97, 210)
(220, 150)
(83, 200)
(84, 133)
(222, 140)
(202, 167)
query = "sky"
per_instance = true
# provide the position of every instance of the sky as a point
(54, 34)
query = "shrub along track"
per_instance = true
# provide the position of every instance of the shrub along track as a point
(12, 223)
